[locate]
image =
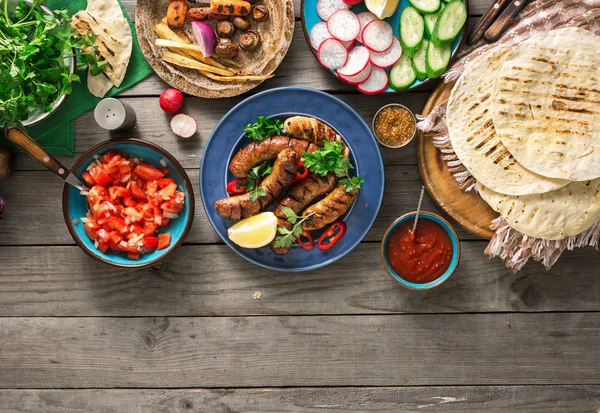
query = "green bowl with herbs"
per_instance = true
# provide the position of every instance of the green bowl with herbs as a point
(38, 60)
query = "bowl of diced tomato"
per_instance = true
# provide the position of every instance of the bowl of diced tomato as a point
(139, 205)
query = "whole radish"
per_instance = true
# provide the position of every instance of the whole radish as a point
(171, 100)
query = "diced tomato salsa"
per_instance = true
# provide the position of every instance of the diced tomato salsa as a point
(129, 201)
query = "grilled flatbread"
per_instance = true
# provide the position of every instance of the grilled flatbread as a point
(551, 216)
(105, 19)
(474, 138)
(546, 104)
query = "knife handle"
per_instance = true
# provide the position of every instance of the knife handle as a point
(486, 21)
(33, 149)
(500, 25)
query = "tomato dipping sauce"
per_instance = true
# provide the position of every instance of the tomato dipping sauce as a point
(421, 257)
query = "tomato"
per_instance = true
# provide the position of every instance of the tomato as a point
(127, 203)
(136, 191)
(164, 240)
(100, 176)
(147, 172)
(150, 243)
(88, 179)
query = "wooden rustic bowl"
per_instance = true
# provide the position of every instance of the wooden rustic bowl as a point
(276, 36)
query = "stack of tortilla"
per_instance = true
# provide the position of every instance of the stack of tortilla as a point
(105, 20)
(525, 121)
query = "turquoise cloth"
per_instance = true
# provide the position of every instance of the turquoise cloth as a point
(57, 133)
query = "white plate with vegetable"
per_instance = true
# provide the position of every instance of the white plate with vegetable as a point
(385, 46)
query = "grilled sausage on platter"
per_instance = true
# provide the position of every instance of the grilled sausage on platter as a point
(284, 173)
(312, 130)
(260, 151)
(329, 209)
(300, 196)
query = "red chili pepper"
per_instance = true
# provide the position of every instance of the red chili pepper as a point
(331, 235)
(235, 187)
(302, 171)
(306, 245)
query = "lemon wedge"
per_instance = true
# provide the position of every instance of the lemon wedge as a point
(254, 232)
(382, 8)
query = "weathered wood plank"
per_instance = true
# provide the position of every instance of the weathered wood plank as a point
(395, 350)
(477, 7)
(210, 280)
(34, 200)
(514, 399)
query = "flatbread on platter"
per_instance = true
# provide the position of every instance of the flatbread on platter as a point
(474, 139)
(276, 36)
(546, 104)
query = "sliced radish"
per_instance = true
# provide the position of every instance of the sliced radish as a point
(184, 125)
(364, 18)
(353, 2)
(325, 8)
(378, 36)
(343, 25)
(389, 57)
(318, 34)
(332, 54)
(358, 59)
(376, 83)
(359, 78)
(349, 45)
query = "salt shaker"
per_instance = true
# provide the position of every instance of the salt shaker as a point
(113, 114)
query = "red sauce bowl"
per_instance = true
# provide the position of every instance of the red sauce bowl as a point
(452, 260)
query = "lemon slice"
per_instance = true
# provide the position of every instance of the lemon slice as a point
(254, 232)
(382, 8)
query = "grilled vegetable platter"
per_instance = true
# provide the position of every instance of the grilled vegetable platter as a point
(302, 182)
(384, 45)
(220, 48)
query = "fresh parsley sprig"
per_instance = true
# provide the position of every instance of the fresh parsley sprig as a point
(254, 195)
(33, 49)
(263, 128)
(330, 159)
(255, 175)
(288, 236)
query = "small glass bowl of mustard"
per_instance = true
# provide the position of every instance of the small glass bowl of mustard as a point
(394, 125)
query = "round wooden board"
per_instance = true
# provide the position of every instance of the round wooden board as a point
(276, 36)
(467, 208)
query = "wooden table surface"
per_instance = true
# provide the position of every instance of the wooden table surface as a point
(78, 336)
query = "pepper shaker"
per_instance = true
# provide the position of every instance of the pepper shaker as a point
(113, 114)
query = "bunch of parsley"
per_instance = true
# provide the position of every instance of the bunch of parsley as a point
(330, 159)
(33, 49)
(263, 128)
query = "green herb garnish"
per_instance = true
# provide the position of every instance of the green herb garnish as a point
(288, 236)
(256, 174)
(330, 159)
(258, 193)
(33, 49)
(263, 128)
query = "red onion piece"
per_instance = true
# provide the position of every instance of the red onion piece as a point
(205, 37)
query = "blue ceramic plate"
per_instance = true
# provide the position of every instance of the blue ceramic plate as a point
(310, 18)
(227, 138)
(75, 206)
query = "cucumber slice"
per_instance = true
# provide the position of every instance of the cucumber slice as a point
(449, 23)
(402, 75)
(437, 59)
(426, 6)
(418, 61)
(412, 30)
(430, 20)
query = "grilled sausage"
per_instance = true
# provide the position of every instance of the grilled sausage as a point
(299, 197)
(257, 152)
(284, 173)
(329, 209)
(312, 130)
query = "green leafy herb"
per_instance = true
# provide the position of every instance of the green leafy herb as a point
(254, 195)
(33, 50)
(288, 236)
(256, 174)
(263, 128)
(330, 159)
